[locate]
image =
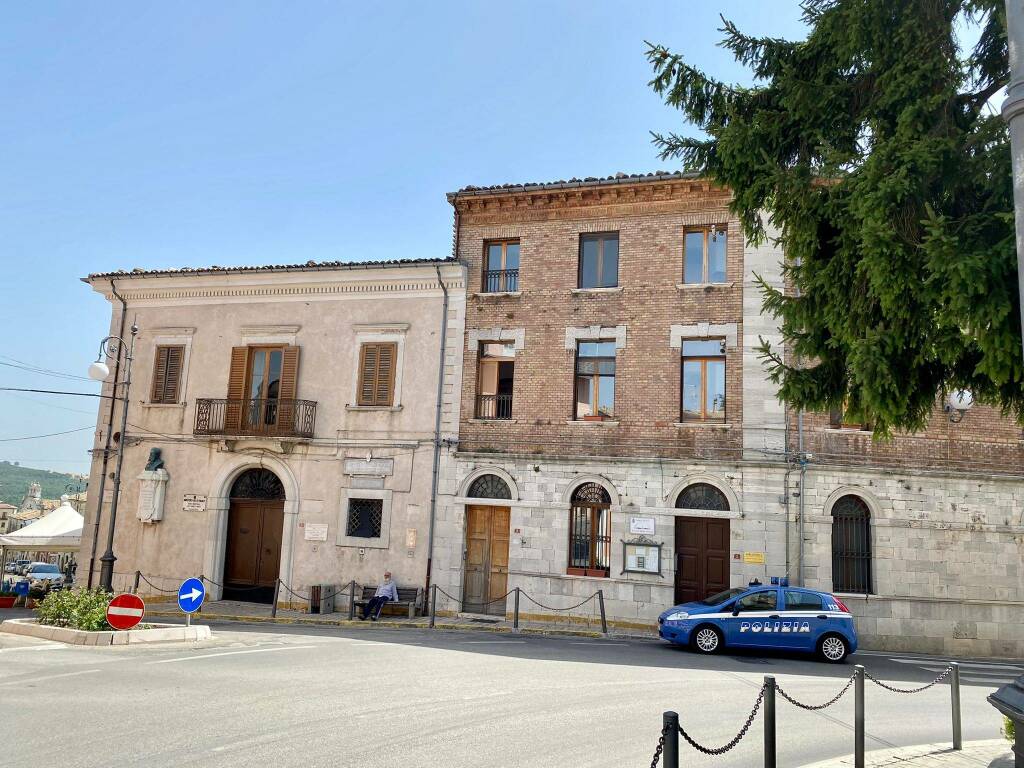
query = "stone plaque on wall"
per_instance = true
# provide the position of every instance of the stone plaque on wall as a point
(372, 467)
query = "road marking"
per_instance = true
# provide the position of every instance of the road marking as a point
(994, 683)
(47, 647)
(493, 642)
(1001, 675)
(594, 642)
(963, 664)
(30, 680)
(231, 653)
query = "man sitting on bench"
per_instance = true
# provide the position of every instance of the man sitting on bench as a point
(386, 592)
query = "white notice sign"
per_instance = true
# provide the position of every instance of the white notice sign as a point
(316, 531)
(193, 503)
(641, 525)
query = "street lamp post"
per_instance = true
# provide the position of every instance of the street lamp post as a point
(114, 346)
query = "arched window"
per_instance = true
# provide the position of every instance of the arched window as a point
(590, 531)
(257, 484)
(489, 487)
(851, 545)
(702, 496)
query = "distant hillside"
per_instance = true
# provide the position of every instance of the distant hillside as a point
(15, 480)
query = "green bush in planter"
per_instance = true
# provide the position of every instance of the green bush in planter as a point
(75, 608)
(1008, 729)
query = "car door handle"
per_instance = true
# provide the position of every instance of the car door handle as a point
(774, 616)
(821, 616)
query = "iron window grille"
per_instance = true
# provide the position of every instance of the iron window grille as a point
(702, 496)
(590, 529)
(851, 545)
(364, 518)
(489, 487)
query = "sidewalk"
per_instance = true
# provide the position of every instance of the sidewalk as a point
(994, 753)
(230, 610)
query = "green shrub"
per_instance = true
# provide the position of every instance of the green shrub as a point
(75, 608)
(1008, 729)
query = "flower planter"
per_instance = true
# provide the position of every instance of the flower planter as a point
(7, 601)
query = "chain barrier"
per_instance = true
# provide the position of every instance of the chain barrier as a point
(888, 687)
(482, 605)
(815, 707)
(208, 580)
(296, 594)
(659, 748)
(550, 608)
(736, 740)
(154, 586)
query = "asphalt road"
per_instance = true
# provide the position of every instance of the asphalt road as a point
(309, 696)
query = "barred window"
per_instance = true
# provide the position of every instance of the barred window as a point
(851, 545)
(590, 531)
(364, 518)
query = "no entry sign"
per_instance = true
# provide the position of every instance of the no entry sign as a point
(125, 611)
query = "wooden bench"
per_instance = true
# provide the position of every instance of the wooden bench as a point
(410, 597)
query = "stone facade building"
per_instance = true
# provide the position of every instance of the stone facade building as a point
(618, 433)
(294, 409)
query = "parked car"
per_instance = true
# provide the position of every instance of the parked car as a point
(42, 577)
(17, 566)
(774, 616)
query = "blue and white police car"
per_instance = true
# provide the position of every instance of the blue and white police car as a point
(772, 615)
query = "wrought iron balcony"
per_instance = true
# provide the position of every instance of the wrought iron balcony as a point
(501, 280)
(261, 418)
(494, 406)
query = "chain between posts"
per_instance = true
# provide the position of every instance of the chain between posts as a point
(815, 707)
(736, 739)
(946, 673)
(659, 748)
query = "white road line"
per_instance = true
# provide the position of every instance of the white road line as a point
(1001, 675)
(963, 664)
(48, 647)
(24, 680)
(990, 681)
(231, 653)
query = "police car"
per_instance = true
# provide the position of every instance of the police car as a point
(772, 615)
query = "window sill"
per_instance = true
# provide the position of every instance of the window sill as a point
(613, 289)
(373, 407)
(492, 421)
(146, 404)
(590, 573)
(847, 430)
(700, 424)
(498, 294)
(594, 423)
(703, 286)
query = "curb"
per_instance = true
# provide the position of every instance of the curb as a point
(974, 753)
(160, 633)
(293, 620)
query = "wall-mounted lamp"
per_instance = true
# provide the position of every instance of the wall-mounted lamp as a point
(957, 404)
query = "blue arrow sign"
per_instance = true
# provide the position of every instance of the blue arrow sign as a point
(191, 594)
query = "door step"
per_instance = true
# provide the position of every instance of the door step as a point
(481, 618)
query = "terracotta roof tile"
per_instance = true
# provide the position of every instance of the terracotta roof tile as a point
(309, 266)
(573, 183)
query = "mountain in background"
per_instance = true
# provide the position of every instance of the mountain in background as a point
(15, 480)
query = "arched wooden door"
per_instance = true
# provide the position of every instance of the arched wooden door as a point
(255, 528)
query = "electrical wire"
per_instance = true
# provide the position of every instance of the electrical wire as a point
(21, 364)
(38, 437)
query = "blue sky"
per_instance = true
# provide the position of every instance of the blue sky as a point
(173, 134)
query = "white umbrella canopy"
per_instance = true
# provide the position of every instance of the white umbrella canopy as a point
(59, 531)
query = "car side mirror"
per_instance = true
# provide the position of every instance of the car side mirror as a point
(736, 610)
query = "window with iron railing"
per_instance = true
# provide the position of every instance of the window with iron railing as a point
(501, 266)
(590, 532)
(495, 380)
(851, 545)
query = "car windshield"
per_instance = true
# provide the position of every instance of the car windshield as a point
(721, 597)
(45, 569)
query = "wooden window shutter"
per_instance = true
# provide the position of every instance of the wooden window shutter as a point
(236, 387)
(167, 374)
(289, 389)
(376, 374)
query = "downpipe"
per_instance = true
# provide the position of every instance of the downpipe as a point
(437, 427)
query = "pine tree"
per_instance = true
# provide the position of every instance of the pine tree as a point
(872, 150)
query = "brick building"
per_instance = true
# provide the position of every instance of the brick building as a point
(618, 432)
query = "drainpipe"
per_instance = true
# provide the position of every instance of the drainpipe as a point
(437, 422)
(802, 457)
(106, 448)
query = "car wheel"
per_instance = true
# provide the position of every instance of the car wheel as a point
(833, 649)
(707, 639)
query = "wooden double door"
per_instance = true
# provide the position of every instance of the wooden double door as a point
(486, 566)
(702, 557)
(253, 554)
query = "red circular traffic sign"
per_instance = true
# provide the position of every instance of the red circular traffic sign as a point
(125, 611)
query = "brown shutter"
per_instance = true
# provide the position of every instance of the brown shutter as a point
(236, 388)
(386, 354)
(367, 374)
(289, 389)
(159, 375)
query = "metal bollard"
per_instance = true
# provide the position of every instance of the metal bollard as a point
(352, 600)
(135, 589)
(515, 614)
(769, 721)
(600, 604)
(858, 716)
(277, 592)
(670, 754)
(954, 690)
(433, 604)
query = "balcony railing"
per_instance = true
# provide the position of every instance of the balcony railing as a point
(494, 406)
(263, 418)
(501, 280)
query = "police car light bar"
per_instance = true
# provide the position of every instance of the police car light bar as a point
(780, 581)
